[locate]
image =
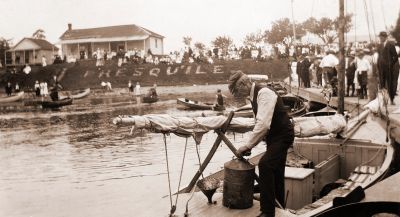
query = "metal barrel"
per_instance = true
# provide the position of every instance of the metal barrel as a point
(238, 184)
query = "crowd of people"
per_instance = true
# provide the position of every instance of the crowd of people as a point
(367, 69)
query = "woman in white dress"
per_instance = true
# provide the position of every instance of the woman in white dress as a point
(45, 89)
(137, 93)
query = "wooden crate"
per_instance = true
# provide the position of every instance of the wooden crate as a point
(299, 183)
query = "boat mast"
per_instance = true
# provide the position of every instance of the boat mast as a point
(294, 25)
(293, 42)
(341, 58)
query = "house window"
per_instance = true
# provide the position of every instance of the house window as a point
(156, 42)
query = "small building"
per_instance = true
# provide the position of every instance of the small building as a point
(30, 51)
(83, 43)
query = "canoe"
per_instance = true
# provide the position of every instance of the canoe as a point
(196, 105)
(294, 105)
(323, 112)
(147, 99)
(79, 95)
(278, 87)
(245, 111)
(57, 104)
(14, 98)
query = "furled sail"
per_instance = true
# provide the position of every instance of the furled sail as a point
(189, 126)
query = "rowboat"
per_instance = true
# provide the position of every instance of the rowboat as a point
(323, 112)
(196, 105)
(57, 104)
(79, 95)
(18, 96)
(295, 107)
(148, 99)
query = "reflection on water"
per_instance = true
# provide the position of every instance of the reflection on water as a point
(74, 162)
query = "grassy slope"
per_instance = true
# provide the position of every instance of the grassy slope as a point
(86, 74)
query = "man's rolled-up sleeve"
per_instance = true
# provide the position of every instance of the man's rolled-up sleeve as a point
(266, 101)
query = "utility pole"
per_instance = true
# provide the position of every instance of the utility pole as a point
(341, 59)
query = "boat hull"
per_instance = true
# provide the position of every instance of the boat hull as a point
(14, 98)
(196, 105)
(146, 99)
(79, 95)
(57, 104)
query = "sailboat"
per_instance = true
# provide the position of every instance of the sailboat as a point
(342, 166)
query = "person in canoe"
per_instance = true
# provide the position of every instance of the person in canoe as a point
(152, 92)
(272, 125)
(8, 89)
(56, 86)
(220, 99)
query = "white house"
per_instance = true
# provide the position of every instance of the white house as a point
(74, 42)
(30, 51)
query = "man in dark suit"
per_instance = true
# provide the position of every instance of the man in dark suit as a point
(299, 71)
(386, 61)
(306, 72)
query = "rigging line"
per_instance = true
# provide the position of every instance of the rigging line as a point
(180, 176)
(366, 16)
(169, 179)
(383, 15)
(198, 157)
(312, 11)
(345, 23)
(355, 22)
(373, 19)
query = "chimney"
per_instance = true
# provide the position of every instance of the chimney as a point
(69, 26)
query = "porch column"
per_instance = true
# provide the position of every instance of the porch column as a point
(126, 46)
(79, 52)
(34, 57)
(109, 46)
(144, 46)
(24, 56)
(92, 44)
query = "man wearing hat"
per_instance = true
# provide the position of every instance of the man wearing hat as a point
(350, 74)
(272, 126)
(386, 61)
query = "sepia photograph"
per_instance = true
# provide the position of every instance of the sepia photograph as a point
(199, 108)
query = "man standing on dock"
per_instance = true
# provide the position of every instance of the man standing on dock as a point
(275, 128)
(386, 61)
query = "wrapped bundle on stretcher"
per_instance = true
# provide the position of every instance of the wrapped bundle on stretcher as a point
(189, 126)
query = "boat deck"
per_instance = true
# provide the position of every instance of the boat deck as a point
(352, 104)
(386, 190)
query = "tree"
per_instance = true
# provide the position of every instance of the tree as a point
(325, 28)
(223, 43)
(4, 45)
(39, 34)
(187, 40)
(396, 30)
(253, 39)
(282, 29)
(199, 46)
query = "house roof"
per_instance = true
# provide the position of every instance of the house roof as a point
(109, 32)
(41, 43)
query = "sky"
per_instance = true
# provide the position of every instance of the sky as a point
(203, 20)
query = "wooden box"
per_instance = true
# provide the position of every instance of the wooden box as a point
(298, 187)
